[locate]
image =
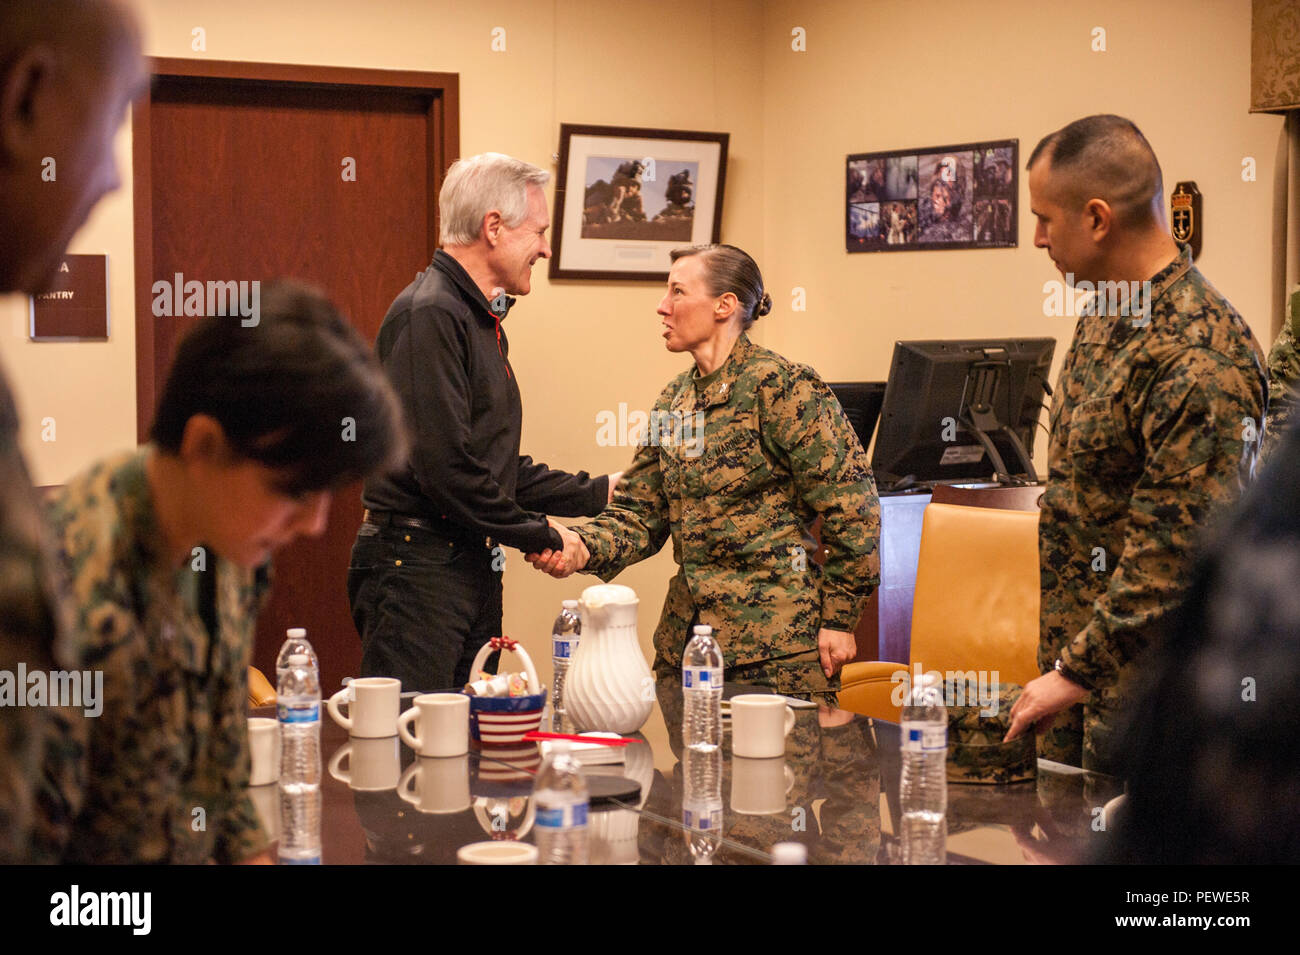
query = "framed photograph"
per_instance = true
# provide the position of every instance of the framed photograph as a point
(627, 197)
(941, 197)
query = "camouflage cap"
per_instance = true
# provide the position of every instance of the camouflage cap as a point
(976, 753)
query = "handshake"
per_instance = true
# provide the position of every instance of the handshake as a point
(561, 563)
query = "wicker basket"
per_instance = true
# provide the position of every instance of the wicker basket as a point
(504, 720)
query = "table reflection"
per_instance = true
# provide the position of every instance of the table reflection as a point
(835, 791)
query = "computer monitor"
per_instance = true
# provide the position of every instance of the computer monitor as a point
(963, 410)
(861, 402)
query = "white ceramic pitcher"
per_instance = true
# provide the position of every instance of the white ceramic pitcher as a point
(609, 687)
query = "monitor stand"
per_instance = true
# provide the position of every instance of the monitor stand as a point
(982, 382)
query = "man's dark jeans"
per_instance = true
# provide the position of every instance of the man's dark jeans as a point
(423, 604)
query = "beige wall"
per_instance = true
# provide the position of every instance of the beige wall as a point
(936, 74)
(875, 76)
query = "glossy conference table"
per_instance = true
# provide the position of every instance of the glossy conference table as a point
(382, 804)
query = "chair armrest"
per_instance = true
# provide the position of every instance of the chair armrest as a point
(869, 687)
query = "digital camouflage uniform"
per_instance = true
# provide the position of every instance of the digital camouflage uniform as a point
(41, 747)
(1148, 442)
(738, 499)
(1283, 377)
(976, 751)
(173, 736)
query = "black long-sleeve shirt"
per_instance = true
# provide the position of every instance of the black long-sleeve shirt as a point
(446, 354)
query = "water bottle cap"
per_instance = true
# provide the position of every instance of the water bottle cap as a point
(569, 604)
(789, 853)
(296, 633)
(703, 630)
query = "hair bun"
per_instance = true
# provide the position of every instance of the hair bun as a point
(764, 306)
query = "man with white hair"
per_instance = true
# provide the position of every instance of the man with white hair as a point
(424, 581)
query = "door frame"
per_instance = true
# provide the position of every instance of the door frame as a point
(443, 115)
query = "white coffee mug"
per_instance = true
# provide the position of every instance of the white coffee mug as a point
(497, 853)
(373, 703)
(437, 785)
(759, 786)
(264, 747)
(760, 723)
(266, 801)
(374, 765)
(443, 724)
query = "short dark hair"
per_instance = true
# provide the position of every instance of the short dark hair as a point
(299, 392)
(1105, 157)
(729, 269)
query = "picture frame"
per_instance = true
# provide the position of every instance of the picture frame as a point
(625, 197)
(964, 196)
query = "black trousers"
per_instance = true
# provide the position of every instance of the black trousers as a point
(423, 604)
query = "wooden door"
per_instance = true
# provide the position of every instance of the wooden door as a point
(259, 171)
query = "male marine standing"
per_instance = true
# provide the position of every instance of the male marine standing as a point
(1154, 428)
(424, 580)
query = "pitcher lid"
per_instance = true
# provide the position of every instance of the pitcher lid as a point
(601, 594)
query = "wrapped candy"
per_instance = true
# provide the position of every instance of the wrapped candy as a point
(499, 684)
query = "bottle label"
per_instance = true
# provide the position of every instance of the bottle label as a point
(701, 678)
(563, 647)
(702, 818)
(925, 737)
(557, 818)
(298, 714)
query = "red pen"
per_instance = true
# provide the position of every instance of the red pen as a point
(597, 740)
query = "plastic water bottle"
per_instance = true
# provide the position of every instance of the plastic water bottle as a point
(298, 706)
(702, 692)
(295, 643)
(564, 641)
(924, 785)
(702, 802)
(560, 801)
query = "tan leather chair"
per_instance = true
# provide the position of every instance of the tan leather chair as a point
(975, 606)
(866, 688)
(260, 691)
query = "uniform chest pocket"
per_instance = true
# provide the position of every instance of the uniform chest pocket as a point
(734, 468)
(1094, 428)
(1103, 461)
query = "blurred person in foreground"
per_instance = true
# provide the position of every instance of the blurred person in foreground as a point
(68, 71)
(745, 451)
(166, 548)
(1211, 740)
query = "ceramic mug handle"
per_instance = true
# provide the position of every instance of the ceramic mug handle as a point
(403, 728)
(333, 705)
(404, 789)
(789, 720)
(337, 760)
